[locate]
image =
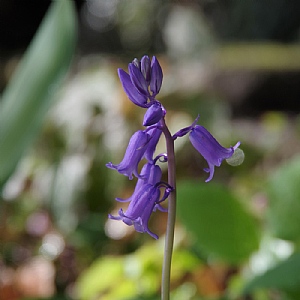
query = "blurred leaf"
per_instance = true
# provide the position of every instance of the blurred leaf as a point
(284, 205)
(55, 297)
(29, 93)
(285, 276)
(145, 298)
(102, 275)
(219, 223)
(139, 273)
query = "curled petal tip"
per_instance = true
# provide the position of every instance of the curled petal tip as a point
(113, 217)
(236, 145)
(110, 165)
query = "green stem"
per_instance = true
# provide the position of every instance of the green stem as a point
(166, 270)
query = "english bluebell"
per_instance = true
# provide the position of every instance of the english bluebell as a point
(141, 206)
(150, 174)
(133, 155)
(155, 134)
(154, 114)
(210, 149)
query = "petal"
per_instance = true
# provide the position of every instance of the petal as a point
(133, 155)
(151, 174)
(123, 200)
(137, 63)
(154, 175)
(155, 134)
(138, 79)
(130, 90)
(208, 146)
(146, 68)
(159, 207)
(156, 76)
(153, 114)
(110, 165)
(143, 203)
(113, 217)
(140, 209)
(211, 171)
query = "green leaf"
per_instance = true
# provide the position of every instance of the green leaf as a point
(102, 275)
(219, 223)
(30, 92)
(284, 276)
(284, 205)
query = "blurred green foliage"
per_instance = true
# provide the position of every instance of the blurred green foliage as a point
(30, 92)
(210, 204)
(284, 276)
(284, 207)
(134, 274)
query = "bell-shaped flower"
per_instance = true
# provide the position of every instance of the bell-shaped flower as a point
(150, 174)
(154, 134)
(140, 208)
(209, 148)
(134, 153)
(154, 114)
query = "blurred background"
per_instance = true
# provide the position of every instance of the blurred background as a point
(237, 64)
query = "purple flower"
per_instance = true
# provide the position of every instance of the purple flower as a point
(150, 174)
(154, 114)
(133, 94)
(138, 79)
(134, 153)
(140, 208)
(209, 148)
(143, 82)
(155, 134)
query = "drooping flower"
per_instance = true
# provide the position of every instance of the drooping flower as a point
(210, 149)
(138, 213)
(133, 155)
(143, 82)
(150, 174)
(154, 133)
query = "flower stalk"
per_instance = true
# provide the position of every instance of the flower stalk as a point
(169, 240)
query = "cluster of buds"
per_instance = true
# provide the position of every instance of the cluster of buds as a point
(142, 84)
